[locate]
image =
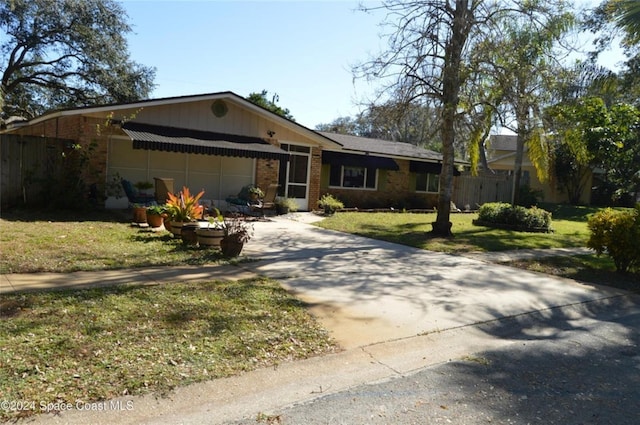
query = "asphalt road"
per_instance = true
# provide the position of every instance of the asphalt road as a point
(559, 368)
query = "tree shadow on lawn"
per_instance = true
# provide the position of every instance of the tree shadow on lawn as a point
(474, 239)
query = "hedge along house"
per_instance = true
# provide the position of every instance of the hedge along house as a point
(217, 142)
(374, 173)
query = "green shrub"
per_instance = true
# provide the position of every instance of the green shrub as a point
(501, 214)
(330, 204)
(618, 234)
(528, 197)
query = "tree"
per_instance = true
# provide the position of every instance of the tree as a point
(628, 17)
(424, 62)
(431, 58)
(260, 99)
(594, 136)
(522, 61)
(66, 53)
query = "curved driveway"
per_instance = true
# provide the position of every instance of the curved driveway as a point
(367, 291)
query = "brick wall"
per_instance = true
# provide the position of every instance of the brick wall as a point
(395, 189)
(266, 172)
(314, 184)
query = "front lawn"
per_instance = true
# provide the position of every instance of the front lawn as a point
(96, 344)
(413, 230)
(58, 241)
(570, 230)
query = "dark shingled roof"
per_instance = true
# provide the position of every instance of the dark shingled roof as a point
(383, 147)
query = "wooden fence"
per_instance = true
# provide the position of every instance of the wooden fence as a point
(477, 190)
(26, 163)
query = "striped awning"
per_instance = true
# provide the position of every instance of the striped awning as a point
(183, 140)
(355, 160)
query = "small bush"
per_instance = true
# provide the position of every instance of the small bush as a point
(330, 204)
(500, 214)
(618, 234)
(528, 197)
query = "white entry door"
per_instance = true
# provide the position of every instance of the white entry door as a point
(295, 176)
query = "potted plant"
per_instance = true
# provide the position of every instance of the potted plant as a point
(237, 232)
(155, 215)
(139, 214)
(251, 193)
(144, 187)
(184, 208)
(330, 204)
(285, 205)
(211, 234)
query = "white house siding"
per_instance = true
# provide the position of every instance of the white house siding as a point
(219, 176)
(198, 116)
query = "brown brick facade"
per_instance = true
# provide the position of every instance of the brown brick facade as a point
(395, 189)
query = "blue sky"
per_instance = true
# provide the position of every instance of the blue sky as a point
(301, 50)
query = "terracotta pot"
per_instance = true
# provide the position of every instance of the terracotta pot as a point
(210, 238)
(139, 214)
(155, 220)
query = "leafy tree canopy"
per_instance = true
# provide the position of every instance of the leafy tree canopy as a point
(66, 53)
(599, 137)
(261, 99)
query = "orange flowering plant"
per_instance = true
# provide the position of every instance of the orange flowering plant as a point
(184, 206)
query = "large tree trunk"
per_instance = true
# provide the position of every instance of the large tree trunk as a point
(522, 116)
(451, 80)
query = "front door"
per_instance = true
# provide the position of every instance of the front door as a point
(294, 176)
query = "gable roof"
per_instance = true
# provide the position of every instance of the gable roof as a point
(366, 145)
(226, 95)
(503, 142)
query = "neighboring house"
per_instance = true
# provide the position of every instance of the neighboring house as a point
(501, 155)
(221, 142)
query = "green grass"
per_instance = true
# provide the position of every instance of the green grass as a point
(96, 344)
(570, 230)
(599, 270)
(65, 242)
(413, 230)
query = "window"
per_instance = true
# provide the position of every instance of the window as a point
(427, 182)
(352, 177)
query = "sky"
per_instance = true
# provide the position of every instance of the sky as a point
(301, 50)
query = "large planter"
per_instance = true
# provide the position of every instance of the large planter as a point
(188, 233)
(176, 227)
(231, 247)
(155, 220)
(209, 238)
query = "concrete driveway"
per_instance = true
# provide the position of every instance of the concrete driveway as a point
(367, 291)
(373, 296)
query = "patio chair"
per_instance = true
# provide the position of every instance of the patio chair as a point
(137, 198)
(268, 202)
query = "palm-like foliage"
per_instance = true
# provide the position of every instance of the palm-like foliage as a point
(628, 18)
